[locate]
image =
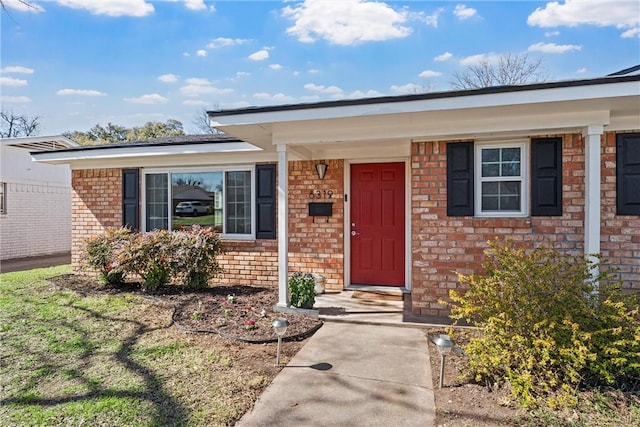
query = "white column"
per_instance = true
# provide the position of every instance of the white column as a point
(592, 190)
(283, 225)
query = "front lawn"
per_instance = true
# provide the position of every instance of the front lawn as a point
(86, 359)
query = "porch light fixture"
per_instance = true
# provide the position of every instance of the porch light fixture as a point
(280, 327)
(321, 169)
(445, 345)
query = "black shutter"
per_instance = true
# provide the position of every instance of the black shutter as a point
(546, 177)
(460, 179)
(266, 201)
(628, 173)
(130, 200)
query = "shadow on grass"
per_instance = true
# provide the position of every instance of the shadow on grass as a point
(168, 411)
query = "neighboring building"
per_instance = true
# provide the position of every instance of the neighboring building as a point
(415, 185)
(35, 199)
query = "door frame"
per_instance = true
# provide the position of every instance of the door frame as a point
(407, 217)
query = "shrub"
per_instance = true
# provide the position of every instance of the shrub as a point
(101, 254)
(195, 251)
(301, 289)
(547, 326)
(150, 256)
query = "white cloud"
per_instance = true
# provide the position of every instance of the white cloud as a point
(444, 57)
(242, 74)
(552, 33)
(198, 5)
(17, 69)
(224, 42)
(22, 6)
(323, 89)
(278, 97)
(367, 94)
(313, 71)
(260, 55)
(83, 92)
(275, 67)
(430, 20)
(168, 78)
(463, 12)
(357, 21)
(633, 32)
(478, 59)
(408, 88)
(15, 99)
(582, 71)
(195, 103)
(427, 74)
(553, 48)
(201, 52)
(149, 99)
(198, 86)
(10, 81)
(603, 13)
(198, 81)
(136, 8)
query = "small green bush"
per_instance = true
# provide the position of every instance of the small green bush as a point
(548, 327)
(101, 254)
(302, 290)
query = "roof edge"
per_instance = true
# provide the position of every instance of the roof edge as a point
(425, 96)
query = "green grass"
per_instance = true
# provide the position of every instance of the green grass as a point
(109, 360)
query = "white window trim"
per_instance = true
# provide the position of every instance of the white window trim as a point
(525, 179)
(223, 169)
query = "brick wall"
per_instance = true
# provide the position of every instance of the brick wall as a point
(37, 221)
(317, 246)
(442, 246)
(96, 206)
(620, 236)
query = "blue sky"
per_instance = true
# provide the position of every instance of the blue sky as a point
(76, 63)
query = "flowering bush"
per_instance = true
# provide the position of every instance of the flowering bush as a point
(250, 324)
(188, 256)
(101, 254)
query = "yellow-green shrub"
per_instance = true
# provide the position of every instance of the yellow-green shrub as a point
(549, 326)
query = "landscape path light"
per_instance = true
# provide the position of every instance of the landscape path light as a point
(280, 327)
(445, 345)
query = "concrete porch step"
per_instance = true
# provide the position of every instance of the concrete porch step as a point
(377, 293)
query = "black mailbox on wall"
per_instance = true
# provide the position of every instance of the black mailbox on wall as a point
(320, 209)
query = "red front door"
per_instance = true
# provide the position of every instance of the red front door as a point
(377, 224)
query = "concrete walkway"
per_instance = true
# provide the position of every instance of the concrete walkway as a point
(352, 375)
(21, 264)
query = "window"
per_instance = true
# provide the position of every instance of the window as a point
(216, 198)
(3, 197)
(500, 181)
(505, 179)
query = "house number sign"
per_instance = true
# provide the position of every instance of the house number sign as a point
(318, 194)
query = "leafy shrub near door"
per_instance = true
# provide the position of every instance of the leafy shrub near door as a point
(302, 290)
(187, 257)
(549, 327)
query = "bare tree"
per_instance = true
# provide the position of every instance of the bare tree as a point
(15, 126)
(202, 122)
(510, 69)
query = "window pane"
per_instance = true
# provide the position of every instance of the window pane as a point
(510, 154)
(489, 203)
(3, 199)
(196, 199)
(501, 196)
(491, 169)
(157, 212)
(490, 155)
(510, 187)
(489, 188)
(509, 203)
(238, 202)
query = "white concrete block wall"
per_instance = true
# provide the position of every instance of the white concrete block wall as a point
(38, 197)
